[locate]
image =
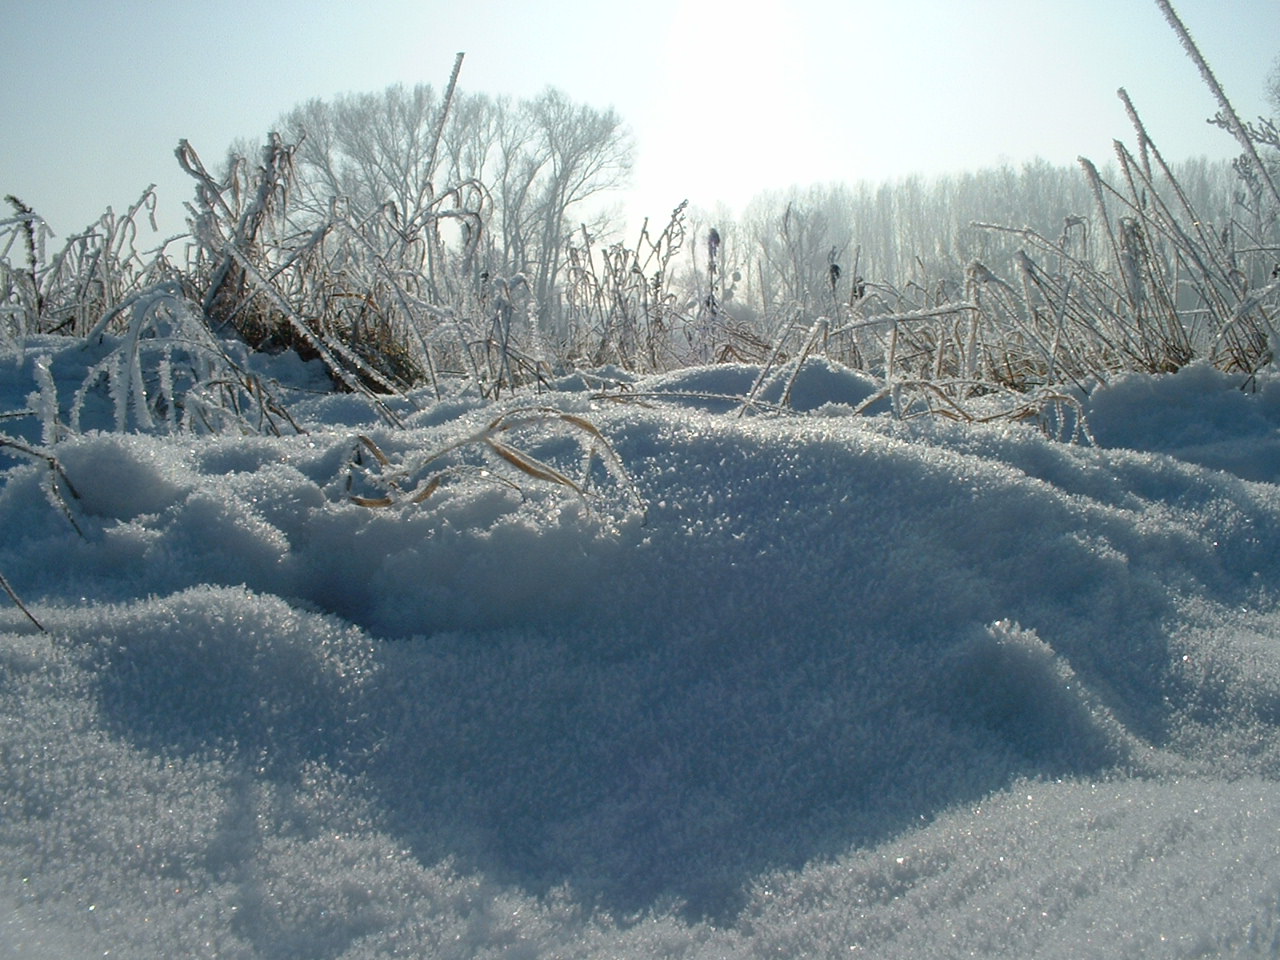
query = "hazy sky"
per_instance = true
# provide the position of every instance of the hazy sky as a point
(725, 97)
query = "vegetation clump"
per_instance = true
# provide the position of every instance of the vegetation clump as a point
(444, 241)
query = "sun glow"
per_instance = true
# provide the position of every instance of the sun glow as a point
(732, 99)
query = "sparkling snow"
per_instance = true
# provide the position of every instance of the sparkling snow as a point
(842, 686)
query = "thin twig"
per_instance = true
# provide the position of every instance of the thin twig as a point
(4, 584)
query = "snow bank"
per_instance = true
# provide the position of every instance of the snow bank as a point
(845, 685)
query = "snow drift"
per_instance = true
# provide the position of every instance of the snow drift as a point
(841, 685)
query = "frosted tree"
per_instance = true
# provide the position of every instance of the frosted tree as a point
(535, 162)
(579, 152)
(367, 149)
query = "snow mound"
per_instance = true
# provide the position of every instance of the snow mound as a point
(1199, 415)
(804, 387)
(831, 684)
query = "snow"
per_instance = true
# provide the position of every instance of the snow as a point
(840, 685)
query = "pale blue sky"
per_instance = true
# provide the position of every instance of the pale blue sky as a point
(725, 98)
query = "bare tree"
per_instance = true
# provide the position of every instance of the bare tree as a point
(580, 152)
(367, 149)
(536, 160)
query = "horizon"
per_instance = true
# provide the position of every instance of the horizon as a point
(853, 93)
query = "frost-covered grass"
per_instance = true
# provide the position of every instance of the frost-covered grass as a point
(844, 684)
(1128, 268)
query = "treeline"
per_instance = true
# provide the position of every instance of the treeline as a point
(921, 232)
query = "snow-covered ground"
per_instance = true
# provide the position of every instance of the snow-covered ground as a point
(844, 686)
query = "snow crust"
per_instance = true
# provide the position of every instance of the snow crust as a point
(844, 686)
